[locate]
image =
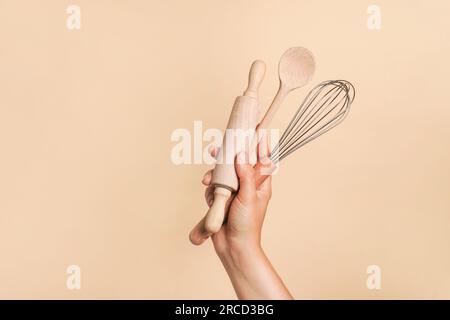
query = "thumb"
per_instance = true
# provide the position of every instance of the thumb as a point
(246, 175)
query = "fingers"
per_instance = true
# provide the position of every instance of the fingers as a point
(263, 171)
(246, 175)
(207, 178)
(209, 191)
(263, 147)
(264, 167)
(209, 195)
(213, 151)
(263, 177)
(265, 188)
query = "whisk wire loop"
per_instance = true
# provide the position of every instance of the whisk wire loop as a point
(325, 106)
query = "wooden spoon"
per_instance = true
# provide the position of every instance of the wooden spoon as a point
(295, 69)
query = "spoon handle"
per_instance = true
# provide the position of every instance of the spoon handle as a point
(275, 105)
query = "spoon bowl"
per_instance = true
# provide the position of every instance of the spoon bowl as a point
(296, 68)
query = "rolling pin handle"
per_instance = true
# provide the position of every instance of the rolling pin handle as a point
(255, 78)
(216, 214)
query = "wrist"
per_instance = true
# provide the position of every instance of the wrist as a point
(251, 273)
(241, 257)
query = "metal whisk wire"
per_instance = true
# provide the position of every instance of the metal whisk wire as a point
(325, 106)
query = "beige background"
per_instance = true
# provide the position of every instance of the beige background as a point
(85, 124)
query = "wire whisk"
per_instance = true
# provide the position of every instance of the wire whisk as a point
(325, 106)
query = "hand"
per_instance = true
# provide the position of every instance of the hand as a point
(238, 242)
(242, 230)
(259, 173)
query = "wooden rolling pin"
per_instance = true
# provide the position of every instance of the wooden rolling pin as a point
(243, 120)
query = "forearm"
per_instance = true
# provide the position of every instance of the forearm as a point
(252, 275)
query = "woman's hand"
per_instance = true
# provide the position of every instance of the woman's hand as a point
(254, 176)
(242, 230)
(238, 242)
